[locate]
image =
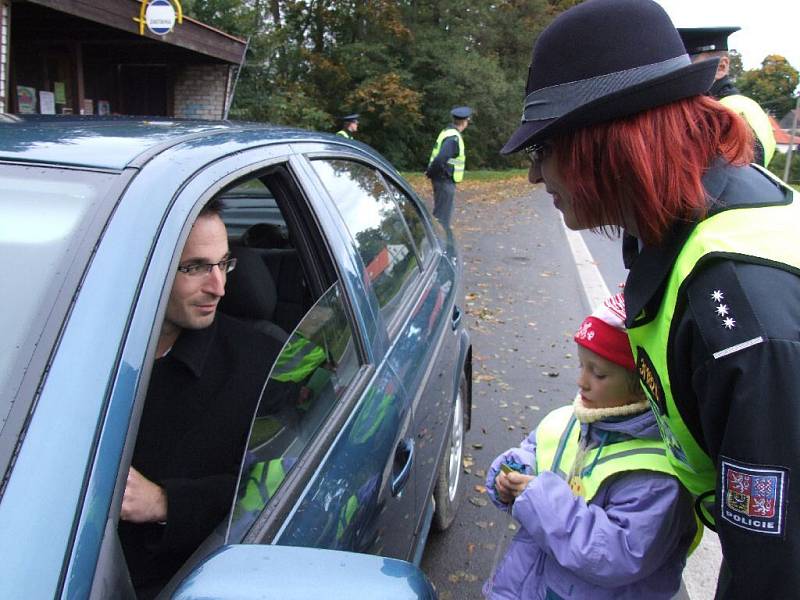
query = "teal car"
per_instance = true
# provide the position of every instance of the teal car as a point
(335, 252)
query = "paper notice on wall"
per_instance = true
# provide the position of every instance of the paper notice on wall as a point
(26, 99)
(47, 102)
(103, 107)
(88, 107)
(60, 91)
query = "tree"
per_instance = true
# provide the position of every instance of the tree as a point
(778, 166)
(736, 69)
(772, 86)
(402, 64)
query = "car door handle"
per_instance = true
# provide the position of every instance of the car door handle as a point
(456, 316)
(403, 459)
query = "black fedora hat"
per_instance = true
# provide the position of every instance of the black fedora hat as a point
(603, 60)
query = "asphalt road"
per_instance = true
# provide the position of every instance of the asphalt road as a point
(524, 302)
(525, 298)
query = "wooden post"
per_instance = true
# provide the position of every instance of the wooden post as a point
(787, 169)
(80, 90)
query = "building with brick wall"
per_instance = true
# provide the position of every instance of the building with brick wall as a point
(4, 12)
(100, 57)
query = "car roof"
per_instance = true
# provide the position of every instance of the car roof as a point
(118, 142)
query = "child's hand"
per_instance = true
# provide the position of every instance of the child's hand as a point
(510, 485)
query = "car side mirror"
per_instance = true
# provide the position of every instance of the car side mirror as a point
(251, 571)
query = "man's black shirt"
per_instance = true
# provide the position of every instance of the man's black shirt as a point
(191, 439)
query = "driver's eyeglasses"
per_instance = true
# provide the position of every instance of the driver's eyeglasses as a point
(537, 153)
(200, 269)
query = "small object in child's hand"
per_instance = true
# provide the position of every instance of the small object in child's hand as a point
(508, 467)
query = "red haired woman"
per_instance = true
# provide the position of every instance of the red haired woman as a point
(618, 128)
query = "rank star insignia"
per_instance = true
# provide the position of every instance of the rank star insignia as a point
(729, 323)
(717, 295)
(722, 310)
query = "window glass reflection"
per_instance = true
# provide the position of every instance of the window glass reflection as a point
(312, 373)
(376, 224)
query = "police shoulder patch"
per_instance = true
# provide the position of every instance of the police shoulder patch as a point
(721, 310)
(754, 496)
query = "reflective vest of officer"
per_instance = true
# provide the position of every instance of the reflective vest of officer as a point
(346, 515)
(345, 134)
(262, 483)
(757, 119)
(298, 360)
(767, 233)
(456, 162)
(557, 442)
(371, 414)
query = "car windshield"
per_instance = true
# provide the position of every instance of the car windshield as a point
(46, 213)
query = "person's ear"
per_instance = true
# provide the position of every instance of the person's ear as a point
(723, 67)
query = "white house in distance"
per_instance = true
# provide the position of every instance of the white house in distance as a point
(783, 137)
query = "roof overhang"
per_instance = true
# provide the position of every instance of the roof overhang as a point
(121, 14)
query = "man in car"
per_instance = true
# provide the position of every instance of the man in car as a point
(205, 385)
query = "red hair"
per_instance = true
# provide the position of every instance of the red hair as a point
(649, 166)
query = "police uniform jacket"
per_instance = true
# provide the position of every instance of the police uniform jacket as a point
(439, 167)
(743, 408)
(723, 87)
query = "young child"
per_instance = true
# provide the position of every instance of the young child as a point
(601, 514)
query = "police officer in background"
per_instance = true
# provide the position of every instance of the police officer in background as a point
(704, 43)
(349, 126)
(446, 164)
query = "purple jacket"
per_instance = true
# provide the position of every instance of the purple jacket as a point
(629, 542)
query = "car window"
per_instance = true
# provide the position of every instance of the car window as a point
(240, 288)
(45, 215)
(259, 237)
(248, 203)
(414, 220)
(376, 224)
(311, 375)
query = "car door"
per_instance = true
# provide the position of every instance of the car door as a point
(414, 287)
(361, 496)
(328, 463)
(147, 234)
(429, 353)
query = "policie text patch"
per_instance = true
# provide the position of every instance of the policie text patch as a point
(651, 381)
(754, 496)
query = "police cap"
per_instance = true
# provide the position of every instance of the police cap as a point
(353, 117)
(706, 39)
(461, 112)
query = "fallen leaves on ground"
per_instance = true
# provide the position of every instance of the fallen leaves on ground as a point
(483, 192)
(462, 576)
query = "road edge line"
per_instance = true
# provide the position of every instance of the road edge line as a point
(595, 289)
